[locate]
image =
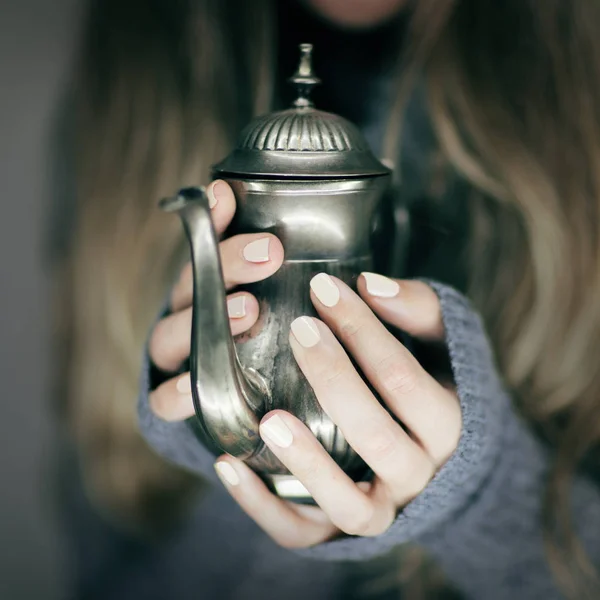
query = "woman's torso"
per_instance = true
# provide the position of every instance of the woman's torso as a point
(219, 552)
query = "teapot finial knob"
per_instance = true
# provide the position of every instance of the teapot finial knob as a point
(304, 78)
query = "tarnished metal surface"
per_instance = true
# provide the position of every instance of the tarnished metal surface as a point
(326, 217)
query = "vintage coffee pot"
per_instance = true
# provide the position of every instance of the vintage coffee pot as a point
(308, 177)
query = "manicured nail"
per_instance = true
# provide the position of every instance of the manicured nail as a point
(380, 286)
(257, 251)
(227, 473)
(215, 192)
(277, 431)
(325, 289)
(236, 307)
(305, 331)
(184, 384)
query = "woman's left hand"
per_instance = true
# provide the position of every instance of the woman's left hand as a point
(402, 458)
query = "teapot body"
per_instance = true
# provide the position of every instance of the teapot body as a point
(308, 177)
(324, 226)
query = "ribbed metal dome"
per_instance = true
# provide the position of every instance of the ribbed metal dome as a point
(304, 130)
(301, 141)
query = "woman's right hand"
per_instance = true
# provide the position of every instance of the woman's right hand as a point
(245, 258)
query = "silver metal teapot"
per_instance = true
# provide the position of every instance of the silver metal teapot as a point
(308, 177)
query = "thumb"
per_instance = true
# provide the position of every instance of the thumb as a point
(222, 204)
(412, 306)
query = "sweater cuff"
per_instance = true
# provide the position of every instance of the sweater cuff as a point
(484, 405)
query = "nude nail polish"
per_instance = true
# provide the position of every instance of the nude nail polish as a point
(305, 331)
(325, 289)
(236, 307)
(257, 251)
(275, 429)
(214, 192)
(227, 473)
(380, 286)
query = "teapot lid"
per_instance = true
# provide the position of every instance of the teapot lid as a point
(301, 142)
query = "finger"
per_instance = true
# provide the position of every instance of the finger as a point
(430, 411)
(409, 305)
(366, 425)
(169, 343)
(349, 509)
(222, 202)
(244, 258)
(183, 291)
(289, 526)
(172, 400)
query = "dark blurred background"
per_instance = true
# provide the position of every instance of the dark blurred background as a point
(37, 42)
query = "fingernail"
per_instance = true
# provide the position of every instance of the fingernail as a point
(305, 331)
(277, 431)
(227, 473)
(236, 307)
(215, 192)
(380, 286)
(184, 384)
(257, 251)
(325, 289)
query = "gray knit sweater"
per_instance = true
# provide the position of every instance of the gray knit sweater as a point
(480, 517)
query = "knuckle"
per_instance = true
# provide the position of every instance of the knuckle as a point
(327, 369)
(330, 373)
(359, 522)
(396, 374)
(382, 445)
(349, 327)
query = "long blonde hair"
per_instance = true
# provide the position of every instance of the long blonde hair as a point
(514, 96)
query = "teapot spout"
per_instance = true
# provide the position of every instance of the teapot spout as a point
(227, 400)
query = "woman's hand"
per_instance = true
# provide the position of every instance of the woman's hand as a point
(403, 458)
